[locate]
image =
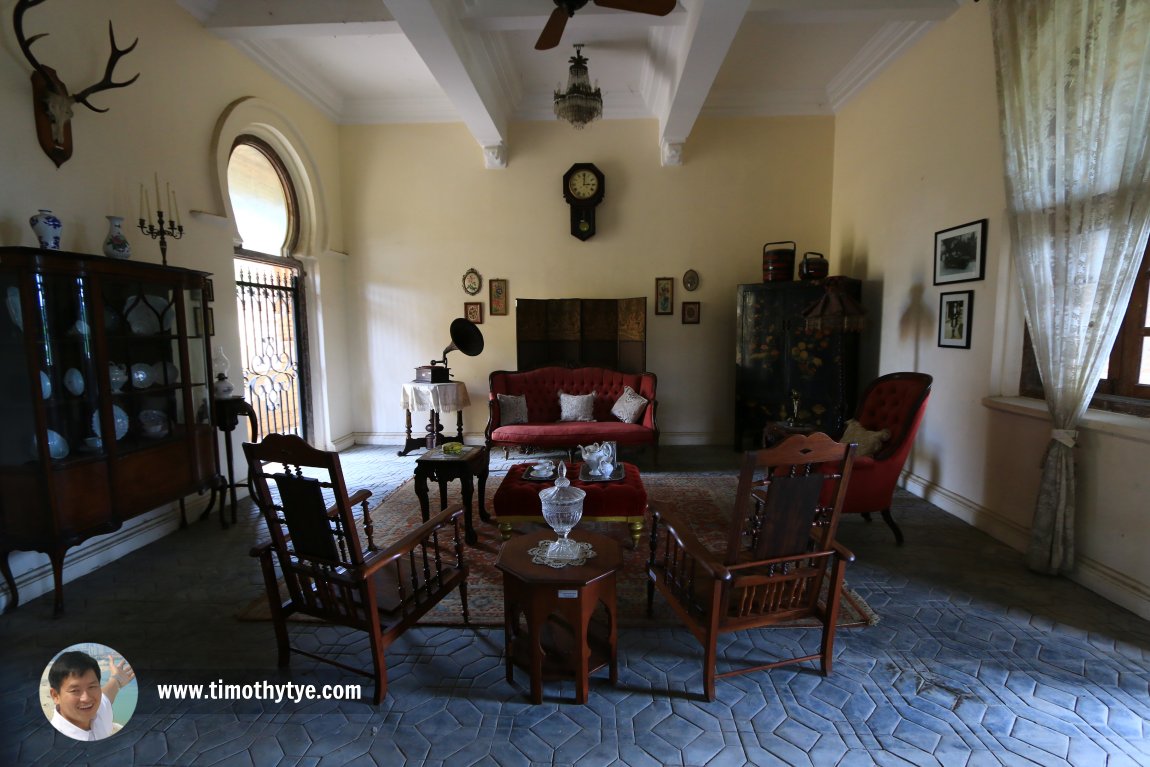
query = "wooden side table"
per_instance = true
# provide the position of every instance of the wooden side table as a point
(554, 601)
(228, 411)
(435, 398)
(443, 467)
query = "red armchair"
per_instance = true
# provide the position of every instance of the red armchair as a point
(895, 401)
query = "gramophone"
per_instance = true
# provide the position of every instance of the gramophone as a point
(465, 337)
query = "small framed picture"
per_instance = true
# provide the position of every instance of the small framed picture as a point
(664, 295)
(209, 290)
(960, 253)
(954, 317)
(209, 321)
(473, 310)
(690, 312)
(498, 289)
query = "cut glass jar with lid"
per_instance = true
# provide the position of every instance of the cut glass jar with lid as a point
(562, 510)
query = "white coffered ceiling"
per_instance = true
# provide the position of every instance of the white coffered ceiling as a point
(409, 61)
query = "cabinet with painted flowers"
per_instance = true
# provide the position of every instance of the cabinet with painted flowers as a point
(785, 372)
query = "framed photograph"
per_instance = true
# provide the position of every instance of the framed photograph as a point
(209, 290)
(664, 295)
(960, 253)
(954, 317)
(473, 310)
(498, 288)
(690, 312)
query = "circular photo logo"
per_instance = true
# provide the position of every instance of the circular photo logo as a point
(88, 691)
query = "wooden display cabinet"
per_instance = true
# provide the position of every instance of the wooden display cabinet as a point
(105, 385)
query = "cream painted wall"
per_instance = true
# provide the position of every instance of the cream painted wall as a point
(917, 151)
(421, 209)
(165, 123)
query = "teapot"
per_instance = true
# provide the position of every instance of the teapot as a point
(596, 454)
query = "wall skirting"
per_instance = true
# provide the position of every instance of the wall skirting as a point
(102, 549)
(1102, 580)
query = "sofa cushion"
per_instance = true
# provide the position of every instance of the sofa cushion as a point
(869, 442)
(576, 407)
(630, 405)
(572, 433)
(512, 409)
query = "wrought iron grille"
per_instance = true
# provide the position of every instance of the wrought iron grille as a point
(273, 345)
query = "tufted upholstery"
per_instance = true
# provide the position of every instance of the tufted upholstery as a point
(541, 387)
(896, 402)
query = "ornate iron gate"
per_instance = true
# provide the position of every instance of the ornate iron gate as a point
(274, 345)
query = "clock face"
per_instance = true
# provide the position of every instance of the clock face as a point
(583, 184)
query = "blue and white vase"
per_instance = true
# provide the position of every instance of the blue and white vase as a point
(116, 244)
(47, 228)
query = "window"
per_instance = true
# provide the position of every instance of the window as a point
(1125, 387)
(263, 198)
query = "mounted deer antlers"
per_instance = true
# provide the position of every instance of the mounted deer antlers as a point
(52, 102)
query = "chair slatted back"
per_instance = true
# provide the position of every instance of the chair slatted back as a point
(786, 516)
(312, 528)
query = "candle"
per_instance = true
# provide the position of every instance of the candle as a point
(159, 200)
(176, 209)
(147, 203)
(143, 204)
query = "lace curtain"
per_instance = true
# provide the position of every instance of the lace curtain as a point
(1074, 99)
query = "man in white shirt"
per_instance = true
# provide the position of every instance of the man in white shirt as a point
(83, 707)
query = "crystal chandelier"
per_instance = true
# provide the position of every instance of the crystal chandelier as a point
(580, 104)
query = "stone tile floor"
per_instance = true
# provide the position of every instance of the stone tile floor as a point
(976, 661)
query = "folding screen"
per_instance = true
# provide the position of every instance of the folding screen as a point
(573, 332)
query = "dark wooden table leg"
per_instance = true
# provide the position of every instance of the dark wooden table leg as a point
(459, 426)
(481, 471)
(468, 490)
(421, 493)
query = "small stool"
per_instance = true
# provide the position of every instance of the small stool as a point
(566, 598)
(625, 500)
(444, 467)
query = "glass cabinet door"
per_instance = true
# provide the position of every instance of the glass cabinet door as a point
(144, 363)
(67, 385)
(17, 445)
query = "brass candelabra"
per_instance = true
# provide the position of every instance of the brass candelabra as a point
(172, 231)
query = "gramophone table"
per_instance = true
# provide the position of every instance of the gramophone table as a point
(624, 500)
(436, 398)
(443, 467)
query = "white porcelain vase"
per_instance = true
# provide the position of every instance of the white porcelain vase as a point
(116, 244)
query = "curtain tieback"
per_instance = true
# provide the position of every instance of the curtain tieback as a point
(1067, 437)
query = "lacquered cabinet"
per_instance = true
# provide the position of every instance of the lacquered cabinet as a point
(779, 363)
(105, 385)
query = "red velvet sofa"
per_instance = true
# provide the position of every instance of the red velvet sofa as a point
(543, 429)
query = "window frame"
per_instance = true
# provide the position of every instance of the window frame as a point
(1119, 391)
(291, 237)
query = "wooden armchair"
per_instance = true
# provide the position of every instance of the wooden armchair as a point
(327, 571)
(781, 561)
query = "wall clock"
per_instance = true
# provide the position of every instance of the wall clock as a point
(472, 282)
(583, 187)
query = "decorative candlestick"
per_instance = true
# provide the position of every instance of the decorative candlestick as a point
(172, 231)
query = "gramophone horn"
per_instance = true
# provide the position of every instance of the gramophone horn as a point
(465, 337)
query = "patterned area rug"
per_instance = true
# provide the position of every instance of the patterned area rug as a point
(706, 501)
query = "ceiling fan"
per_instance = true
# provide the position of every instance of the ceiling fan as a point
(565, 9)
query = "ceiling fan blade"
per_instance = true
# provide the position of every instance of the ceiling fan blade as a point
(553, 31)
(653, 7)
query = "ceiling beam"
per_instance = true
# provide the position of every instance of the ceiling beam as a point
(463, 66)
(693, 55)
(250, 19)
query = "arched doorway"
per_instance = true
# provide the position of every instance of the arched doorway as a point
(273, 332)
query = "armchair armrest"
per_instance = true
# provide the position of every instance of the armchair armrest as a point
(843, 552)
(380, 559)
(680, 532)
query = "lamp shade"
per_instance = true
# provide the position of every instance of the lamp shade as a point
(835, 311)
